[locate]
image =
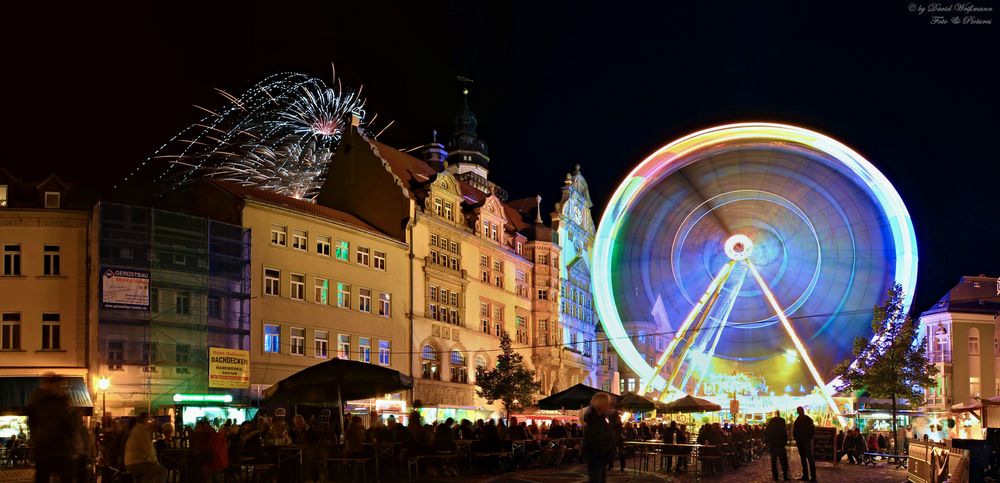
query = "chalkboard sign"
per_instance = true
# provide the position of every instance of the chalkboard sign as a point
(825, 444)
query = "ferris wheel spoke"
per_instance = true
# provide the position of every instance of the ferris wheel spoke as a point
(679, 334)
(799, 346)
(730, 303)
(689, 341)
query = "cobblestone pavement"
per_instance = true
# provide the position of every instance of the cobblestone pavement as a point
(757, 472)
(19, 475)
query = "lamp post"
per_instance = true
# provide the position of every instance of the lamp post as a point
(103, 384)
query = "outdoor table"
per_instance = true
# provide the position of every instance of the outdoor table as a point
(695, 452)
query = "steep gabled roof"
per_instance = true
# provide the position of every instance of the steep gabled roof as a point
(251, 193)
(972, 295)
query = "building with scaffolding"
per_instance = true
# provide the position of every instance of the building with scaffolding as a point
(167, 287)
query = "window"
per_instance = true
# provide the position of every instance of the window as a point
(182, 303)
(343, 346)
(449, 210)
(378, 260)
(521, 283)
(384, 305)
(543, 259)
(12, 259)
(51, 262)
(459, 373)
(298, 286)
(543, 332)
(52, 199)
(429, 363)
(543, 295)
(180, 259)
(322, 290)
(272, 282)
(297, 339)
(323, 245)
(521, 328)
(363, 255)
(493, 232)
(480, 363)
(343, 295)
(519, 248)
(272, 338)
(11, 331)
(299, 240)
(154, 300)
(279, 235)
(975, 387)
(3, 196)
(116, 353)
(214, 307)
(484, 314)
(321, 343)
(438, 207)
(973, 341)
(149, 355)
(182, 353)
(365, 300)
(343, 250)
(364, 349)
(383, 352)
(434, 239)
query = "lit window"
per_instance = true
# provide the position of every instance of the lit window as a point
(298, 286)
(299, 240)
(363, 256)
(519, 248)
(365, 300)
(343, 295)
(279, 235)
(182, 303)
(322, 290)
(10, 331)
(343, 346)
(297, 339)
(459, 373)
(438, 207)
(521, 327)
(323, 245)
(321, 343)
(383, 352)
(448, 211)
(384, 305)
(272, 338)
(364, 349)
(272, 281)
(12, 259)
(343, 250)
(429, 362)
(3, 196)
(52, 199)
(378, 259)
(51, 262)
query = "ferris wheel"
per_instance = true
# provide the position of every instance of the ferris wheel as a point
(755, 248)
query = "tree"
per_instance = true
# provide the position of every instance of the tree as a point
(890, 364)
(509, 381)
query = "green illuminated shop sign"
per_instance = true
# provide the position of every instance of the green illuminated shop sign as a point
(213, 398)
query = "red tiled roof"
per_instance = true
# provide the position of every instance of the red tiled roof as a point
(294, 204)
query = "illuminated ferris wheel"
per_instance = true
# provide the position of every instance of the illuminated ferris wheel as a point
(755, 248)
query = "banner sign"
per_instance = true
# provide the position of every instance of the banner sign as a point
(228, 368)
(125, 289)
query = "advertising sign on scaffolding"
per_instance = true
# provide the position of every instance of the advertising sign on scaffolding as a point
(228, 368)
(125, 289)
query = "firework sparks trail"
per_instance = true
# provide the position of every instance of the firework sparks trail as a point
(279, 135)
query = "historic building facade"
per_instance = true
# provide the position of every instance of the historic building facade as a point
(961, 336)
(324, 283)
(43, 289)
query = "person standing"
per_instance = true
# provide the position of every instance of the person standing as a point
(53, 430)
(803, 430)
(140, 456)
(597, 437)
(776, 436)
(617, 439)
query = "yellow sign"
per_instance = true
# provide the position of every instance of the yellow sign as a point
(228, 368)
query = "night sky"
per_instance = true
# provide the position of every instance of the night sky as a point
(91, 90)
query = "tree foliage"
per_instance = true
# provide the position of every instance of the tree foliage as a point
(889, 365)
(509, 381)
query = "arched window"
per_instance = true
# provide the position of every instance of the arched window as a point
(459, 371)
(429, 362)
(973, 341)
(481, 362)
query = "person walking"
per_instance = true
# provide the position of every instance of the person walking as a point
(776, 436)
(53, 430)
(597, 437)
(140, 456)
(803, 431)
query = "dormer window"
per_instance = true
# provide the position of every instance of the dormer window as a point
(438, 207)
(3, 196)
(52, 199)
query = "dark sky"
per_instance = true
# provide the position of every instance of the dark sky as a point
(91, 90)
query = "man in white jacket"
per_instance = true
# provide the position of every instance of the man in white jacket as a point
(140, 456)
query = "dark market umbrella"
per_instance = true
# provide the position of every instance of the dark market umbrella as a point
(575, 397)
(330, 383)
(635, 403)
(690, 404)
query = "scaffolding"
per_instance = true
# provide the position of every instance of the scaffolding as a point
(199, 297)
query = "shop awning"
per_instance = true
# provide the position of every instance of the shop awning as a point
(15, 392)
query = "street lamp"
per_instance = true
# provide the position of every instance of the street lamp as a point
(103, 384)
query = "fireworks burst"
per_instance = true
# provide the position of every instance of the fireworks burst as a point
(279, 135)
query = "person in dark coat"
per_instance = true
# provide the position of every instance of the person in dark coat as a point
(776, 436)
(597, 438)
(670, 437)
(52, 426)
(617, 439)
(803, 431)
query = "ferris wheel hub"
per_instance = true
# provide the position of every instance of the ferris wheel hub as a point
(739, 247)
